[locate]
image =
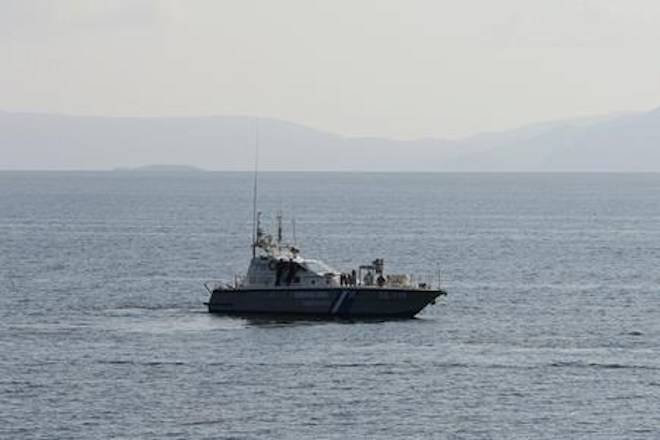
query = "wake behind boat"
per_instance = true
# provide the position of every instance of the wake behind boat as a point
(280, 281)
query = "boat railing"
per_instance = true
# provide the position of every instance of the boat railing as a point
(213, 285)
(415, 281)
(426, 281)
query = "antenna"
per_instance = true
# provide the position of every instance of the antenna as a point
(293, 229)
(279, 228)
(254, 193)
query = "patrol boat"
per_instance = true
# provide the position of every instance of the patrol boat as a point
(280, 281)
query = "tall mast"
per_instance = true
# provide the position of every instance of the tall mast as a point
(279, 228)
(254, 192)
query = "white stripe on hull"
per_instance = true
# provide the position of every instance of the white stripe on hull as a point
(339, 302)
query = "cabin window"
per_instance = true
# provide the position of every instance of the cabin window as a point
(318, 267)
(313, 281)
(296, 280)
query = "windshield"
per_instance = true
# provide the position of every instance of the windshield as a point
(318, 267)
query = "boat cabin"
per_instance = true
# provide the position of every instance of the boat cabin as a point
(278, 265)
(275, 271)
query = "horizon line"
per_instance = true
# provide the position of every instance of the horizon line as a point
(248, 171)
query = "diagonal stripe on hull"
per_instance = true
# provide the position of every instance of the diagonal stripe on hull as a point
(338, 303)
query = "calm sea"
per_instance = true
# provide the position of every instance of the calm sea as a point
(551, 328)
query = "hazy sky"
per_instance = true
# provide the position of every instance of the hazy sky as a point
(391, 68)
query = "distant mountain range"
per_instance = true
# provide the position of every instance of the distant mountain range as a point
(619, 143)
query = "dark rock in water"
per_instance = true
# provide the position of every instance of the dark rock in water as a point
(163, 169)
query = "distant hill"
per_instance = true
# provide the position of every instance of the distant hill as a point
(627, 142)
(621, 143)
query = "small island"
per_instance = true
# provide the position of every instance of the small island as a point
(162, 169)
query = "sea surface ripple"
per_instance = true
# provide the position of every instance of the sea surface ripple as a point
(551, 328)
